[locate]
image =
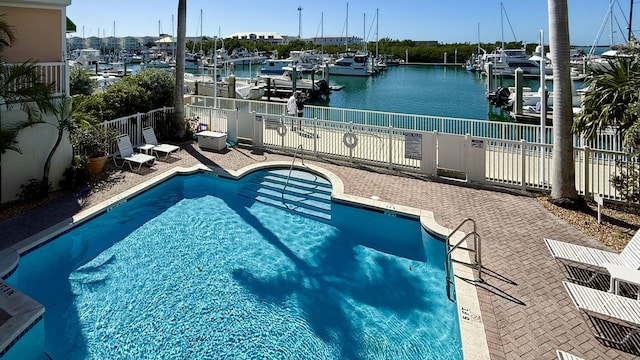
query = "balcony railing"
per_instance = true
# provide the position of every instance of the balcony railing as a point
(50, 72)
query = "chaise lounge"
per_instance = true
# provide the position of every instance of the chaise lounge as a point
(128, 156)
(160, 150)
(595, 260)
(615, 319)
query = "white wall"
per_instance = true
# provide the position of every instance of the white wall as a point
(35, 143)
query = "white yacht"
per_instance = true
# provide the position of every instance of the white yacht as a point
(506, 61)
(284, 83)
(352, 64)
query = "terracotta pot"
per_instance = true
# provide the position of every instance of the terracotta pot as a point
(95, 165)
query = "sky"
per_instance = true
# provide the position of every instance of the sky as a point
(461, 21)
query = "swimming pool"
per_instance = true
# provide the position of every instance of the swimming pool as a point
(191, 269)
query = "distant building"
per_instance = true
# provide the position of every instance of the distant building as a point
(335, 40)
(268, 37)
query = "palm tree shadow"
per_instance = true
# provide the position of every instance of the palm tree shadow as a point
(330, 281)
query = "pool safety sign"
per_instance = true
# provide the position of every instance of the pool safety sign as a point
(413, 146)
(270, 123)
(468, 315)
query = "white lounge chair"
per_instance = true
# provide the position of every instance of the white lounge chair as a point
(615, 319)
(563, 355)
(128, 156)
(595, 259)
(165, 150)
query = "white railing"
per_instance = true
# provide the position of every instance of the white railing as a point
(132, 125)
(56, 73)
(50, 73)
(514, 163)
(605, 140)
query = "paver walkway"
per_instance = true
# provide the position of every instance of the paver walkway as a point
(526, 311)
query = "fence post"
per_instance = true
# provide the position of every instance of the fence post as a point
(139, 128)
(523, 158)
(390, 147)
(587, 175)
(315, 135)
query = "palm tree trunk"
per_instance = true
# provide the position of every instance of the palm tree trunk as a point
(563, 188)
(178, 119)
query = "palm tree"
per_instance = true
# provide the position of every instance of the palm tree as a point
(563, 188)
(62, 110)
(178, 119)
(612, 100)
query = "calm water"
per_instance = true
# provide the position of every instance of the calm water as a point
(191, 270)
(414, 89)
(417, 89)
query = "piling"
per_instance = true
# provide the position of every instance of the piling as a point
(517, 106)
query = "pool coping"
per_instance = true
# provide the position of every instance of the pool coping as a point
(24, 312)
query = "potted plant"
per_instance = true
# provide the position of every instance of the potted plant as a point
(94, 142)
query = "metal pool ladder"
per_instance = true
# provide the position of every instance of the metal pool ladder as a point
(477, 259)
(290, 170)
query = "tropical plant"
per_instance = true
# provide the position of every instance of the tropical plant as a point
(80, 81)
(612, 101)
(62, 111)
(563, 188)
(158, 85)
(93, 141)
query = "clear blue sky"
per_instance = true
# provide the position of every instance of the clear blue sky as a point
(446, 21)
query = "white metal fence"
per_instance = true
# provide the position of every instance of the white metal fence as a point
(605, 140)
(518, 163)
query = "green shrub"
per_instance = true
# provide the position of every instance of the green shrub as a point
(34, 190)
(75, 175)
(80, 81)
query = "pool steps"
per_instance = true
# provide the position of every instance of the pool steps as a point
(305, 193)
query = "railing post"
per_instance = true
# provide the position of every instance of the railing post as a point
(523, 162)
(390, 147)
(139, 128)
(587, 175)
(211, 119)
(315, 135)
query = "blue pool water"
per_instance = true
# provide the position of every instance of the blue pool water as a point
(189, 269)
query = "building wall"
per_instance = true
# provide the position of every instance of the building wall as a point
(39, 27)
(35, 142)
(39, 42)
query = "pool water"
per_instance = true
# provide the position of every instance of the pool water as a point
(190, 270)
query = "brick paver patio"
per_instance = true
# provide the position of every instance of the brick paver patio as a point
(525, 310)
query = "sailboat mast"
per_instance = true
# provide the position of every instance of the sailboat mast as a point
(347, 27)
(364, 31)
(630, 20)
(377, 33)
(299, 22)
(322, 30)
(502, 24)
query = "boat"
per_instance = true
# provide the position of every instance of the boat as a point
(275, 66)
(203, 84)
(506, 61)
(283, 83)
(86, 58)
(103, 81)
(351, 64)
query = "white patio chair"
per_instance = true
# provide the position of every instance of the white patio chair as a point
(595, 259)
(615, 319)
(127, 154)
(158, 149)
(563, 355)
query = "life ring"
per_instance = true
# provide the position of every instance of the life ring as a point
(350, 140)
(281, 130)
